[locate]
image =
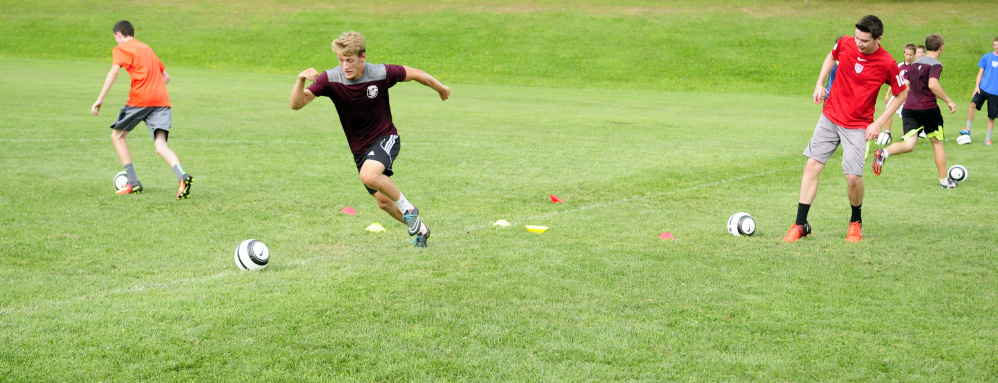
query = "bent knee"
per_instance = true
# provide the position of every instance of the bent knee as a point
(369, 178)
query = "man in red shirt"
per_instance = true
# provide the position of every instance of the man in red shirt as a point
(360, 93)
(847, 118)
(147, 101)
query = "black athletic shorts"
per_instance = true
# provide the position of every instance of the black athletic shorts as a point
(384, 150)
(931, 119)
(992, 103)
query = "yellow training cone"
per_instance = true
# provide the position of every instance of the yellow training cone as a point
(536, 229)
(501, 222)
(375, 227)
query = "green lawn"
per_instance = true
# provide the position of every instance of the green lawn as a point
(100, 287)
(107, 287)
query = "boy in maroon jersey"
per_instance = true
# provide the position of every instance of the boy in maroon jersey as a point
(360, 93)
(909, 57)
(921, 110)
(847, 118)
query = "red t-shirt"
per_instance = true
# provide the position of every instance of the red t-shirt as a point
(362, 104)
(146, 71)
(857, 84)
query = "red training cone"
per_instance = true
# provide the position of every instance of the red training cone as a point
(555, 199)
(666, 235)
(348, 210)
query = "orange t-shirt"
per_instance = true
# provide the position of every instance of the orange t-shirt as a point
(146, 71)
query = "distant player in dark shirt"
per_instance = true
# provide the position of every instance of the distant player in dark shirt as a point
(921, 111)
(360, 93)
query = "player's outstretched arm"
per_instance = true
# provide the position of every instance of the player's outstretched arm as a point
(111, 76)
(299, 95)
(820, 93)
(425, 79)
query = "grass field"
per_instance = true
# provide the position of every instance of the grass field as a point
(100, 287)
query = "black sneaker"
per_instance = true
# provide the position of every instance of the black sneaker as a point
(420, 240)
(184, 189)
(411, 219)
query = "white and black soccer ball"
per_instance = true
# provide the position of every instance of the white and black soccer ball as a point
(252, 255)
(120, 180)
(741, 224)
(963, 139)
(957, 173)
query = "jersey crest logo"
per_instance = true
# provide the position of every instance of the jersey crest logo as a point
(859, 68)
(372, 91)
(994, 64)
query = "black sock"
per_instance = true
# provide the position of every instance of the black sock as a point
(802, 213)
(857, 214)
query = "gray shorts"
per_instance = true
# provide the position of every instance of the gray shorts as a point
(156, 118)
(828, 136)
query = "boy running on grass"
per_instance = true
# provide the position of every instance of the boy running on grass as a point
(847, 118)
(360, 93)
(985, 90)
(147, 101)
(921, 110)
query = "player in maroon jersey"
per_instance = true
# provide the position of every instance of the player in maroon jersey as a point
(847, 118)
(909, 56)
(360, 93)
(921, 111)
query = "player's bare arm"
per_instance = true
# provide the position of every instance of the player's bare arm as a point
(425, 79)
(873, 130)
(820, 93)
(166, 78)
(299, 95)
(977, 84)
(941, 94)
(111, 76)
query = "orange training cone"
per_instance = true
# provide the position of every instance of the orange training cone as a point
(555, 199)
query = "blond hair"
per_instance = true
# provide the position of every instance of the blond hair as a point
(350, 44)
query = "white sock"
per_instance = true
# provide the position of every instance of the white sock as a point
(884, 152)
(403, 204)
(943, 181)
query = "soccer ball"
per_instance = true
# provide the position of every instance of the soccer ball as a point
(252, 255)
(957, 173)
(120, 180)
(963, 139)
(741, 224)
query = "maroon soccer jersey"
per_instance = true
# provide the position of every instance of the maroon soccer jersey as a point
(857, 83)
(920, 97)
(362, 104)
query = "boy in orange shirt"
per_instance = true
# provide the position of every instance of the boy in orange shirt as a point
(147, 101)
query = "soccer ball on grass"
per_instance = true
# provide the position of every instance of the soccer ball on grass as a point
(252, 255)
(120, 180)
(957, 173)
(741, 224)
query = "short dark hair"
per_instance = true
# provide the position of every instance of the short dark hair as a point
(125, 28)
(871, 24)
(933, 42)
